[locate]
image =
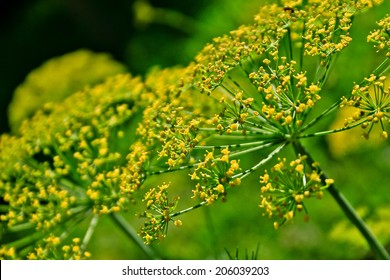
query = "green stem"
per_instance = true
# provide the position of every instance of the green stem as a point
(381, 70)
(245, 173)
(132, 234)
(90, 231)
(322, 115)
(322, 73)
(377, 248)
(21, 227)
(321, 133)
(302, 50)
(188, 209)
(25, 241)
(257, 143)
(379, 251)
(233, 154)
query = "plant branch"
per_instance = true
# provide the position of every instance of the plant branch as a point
(333, 107)
(188, 209)
(377, 248)
(90, 231)
(132, 234)
(242, 175)
(326, 132)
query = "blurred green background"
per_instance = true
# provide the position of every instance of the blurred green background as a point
(137, 33)
(141, 34)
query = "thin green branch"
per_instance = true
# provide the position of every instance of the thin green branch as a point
(381, 70)
(302, 50)
(230, 146)
(326, 132)
(132, 234)
(163, 171)
(22, 227)
(90, 231)
(242, 152)
(249, 136)
(333, 107)
(233, 154)
(322, 72)
(25, 241)
(289, 44)
(242, 175)
(188, 209)
(377, 248)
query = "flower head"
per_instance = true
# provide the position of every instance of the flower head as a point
(215, 175)
(172, 116)
(51, 248)
(158, 214)
(380, 37)
(373, 103)
(67, 163)
(287, 186)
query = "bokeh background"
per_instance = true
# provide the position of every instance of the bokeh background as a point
(141, 34)
(137, 33)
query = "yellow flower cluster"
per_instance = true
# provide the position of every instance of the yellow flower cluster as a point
(266, 97)
(158, 214)
(58, 78)
(372, 99)
(321, 28)
(51, 249)
(68, 161)
(380, 37)
(327, 27)
(228, 51)
(215, 175)
(93, 151)
(133, 178)
(286, 187)
(171, 120)
(287, 99)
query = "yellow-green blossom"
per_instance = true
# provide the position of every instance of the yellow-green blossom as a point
(51, 248)
(158, 214)
(58, 78)
(287, 186)
(68, 163)
(372, 99)
(215, 175)
(380, 37)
